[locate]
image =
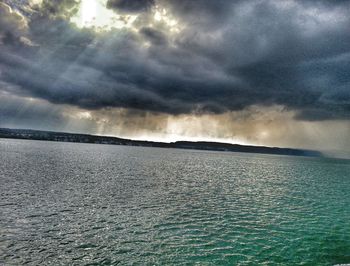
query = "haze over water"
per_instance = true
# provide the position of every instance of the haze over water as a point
(78, 204)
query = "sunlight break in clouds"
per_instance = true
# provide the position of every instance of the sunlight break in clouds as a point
(95, 14)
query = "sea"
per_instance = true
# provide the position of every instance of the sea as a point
(89, 204)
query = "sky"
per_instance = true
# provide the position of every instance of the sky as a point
(259, 72)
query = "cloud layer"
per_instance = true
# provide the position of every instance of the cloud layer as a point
(255, 71)
(184, 57)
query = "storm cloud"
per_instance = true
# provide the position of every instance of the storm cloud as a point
(130, 6)
(258, 72)
(219, 56)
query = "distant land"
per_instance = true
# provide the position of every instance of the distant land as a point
(201, 145)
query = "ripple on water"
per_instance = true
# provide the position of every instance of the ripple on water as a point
(106, 205)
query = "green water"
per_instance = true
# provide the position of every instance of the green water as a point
(81, 204)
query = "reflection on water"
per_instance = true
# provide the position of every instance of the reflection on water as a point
(64, 203)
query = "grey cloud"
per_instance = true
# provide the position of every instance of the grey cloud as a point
(154, 36)
(130, 6)
(10, 20)
(204, 13)
(59, 8)
(16, 111)
(229, 56)
(12, 25)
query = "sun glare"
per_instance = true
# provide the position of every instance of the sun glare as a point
(88, 11)
(161, 15)
(95, 14)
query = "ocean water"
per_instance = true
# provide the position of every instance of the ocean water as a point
(84, 204)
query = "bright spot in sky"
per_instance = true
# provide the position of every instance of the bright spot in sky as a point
(161, 15)
(95, 14)
(35, 2)
(264, 134)
(84, 115)
(157, 16)
(88, 11)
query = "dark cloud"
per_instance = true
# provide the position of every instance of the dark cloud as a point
(28, 113)
(225, 56)
(59, 8)
(154, 36)
(12, 25)
(130, 6)
(204, 13)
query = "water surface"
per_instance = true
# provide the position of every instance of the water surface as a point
(84, 204)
